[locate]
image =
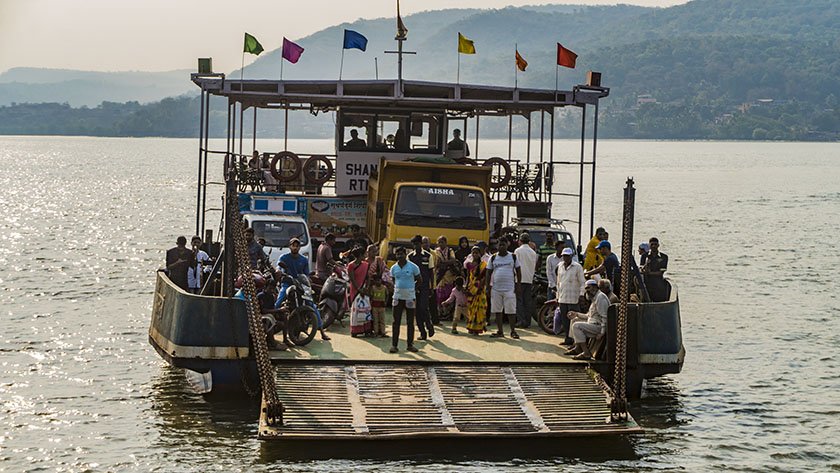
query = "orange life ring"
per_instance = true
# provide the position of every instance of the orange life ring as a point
(505, 178)
(312, 167)
(285, 166)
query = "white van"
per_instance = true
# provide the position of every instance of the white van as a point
(278, 230)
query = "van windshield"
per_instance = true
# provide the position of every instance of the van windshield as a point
(427, 206)
(278, 234)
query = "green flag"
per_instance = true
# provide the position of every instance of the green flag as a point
(252, 45)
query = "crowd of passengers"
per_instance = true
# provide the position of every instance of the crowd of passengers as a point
(481, 283)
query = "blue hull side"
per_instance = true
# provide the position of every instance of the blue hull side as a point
(202, 334)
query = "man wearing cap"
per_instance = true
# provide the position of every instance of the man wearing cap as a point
(570, 283)
(591, 324)
(610, 267)
(295, 264)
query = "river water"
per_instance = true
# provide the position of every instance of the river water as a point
(751, 230)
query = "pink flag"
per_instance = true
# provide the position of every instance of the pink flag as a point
(291, 51)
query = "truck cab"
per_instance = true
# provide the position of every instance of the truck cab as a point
(429, 199)
(278, 230)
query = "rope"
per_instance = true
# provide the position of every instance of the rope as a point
(618, 405)
(273, 408)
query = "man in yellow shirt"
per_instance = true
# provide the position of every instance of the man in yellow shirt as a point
(592, 257)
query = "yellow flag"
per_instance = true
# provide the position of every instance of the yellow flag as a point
(465, 46)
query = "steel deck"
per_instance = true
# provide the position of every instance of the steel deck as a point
(375, 401)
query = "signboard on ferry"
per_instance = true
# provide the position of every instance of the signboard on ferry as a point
(353, 168)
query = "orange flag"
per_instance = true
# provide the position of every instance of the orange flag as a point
(565, 57)
(521, 63)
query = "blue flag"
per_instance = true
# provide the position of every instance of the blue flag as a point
(355, 40)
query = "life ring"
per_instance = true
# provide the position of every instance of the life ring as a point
(285, 166)
(315, 166)
(504, 178)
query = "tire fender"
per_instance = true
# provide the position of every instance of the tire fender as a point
(277, 168)
(505, 177)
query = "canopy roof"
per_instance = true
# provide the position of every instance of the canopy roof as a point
(331, 94)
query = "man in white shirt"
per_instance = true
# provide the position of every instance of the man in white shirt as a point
(194, 273)
(570, 281)
(592, 324)
(551, 262)
(504, 274)
(527, 258)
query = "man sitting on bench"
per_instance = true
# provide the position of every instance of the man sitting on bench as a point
(592, 324)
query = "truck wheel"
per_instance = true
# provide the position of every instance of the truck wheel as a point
(317, 170)
(501, 176)
(285, 166)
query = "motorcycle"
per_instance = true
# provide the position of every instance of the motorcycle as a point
(301, 319)
(332, 302)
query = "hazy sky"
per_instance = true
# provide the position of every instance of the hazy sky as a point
(157, 35)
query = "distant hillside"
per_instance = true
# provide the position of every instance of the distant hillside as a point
(708, 69)
(87, 88)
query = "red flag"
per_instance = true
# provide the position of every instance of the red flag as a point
(521, 63)
(565, 57)
(291, 51)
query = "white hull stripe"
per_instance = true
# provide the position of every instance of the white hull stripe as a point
(207, 353)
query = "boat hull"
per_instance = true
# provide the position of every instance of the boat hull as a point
(203, 334)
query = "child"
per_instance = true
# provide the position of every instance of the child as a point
(378, 296)
(458, 296)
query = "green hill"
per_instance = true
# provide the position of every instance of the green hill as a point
(708, 69)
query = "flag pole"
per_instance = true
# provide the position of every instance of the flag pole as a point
(458, 74)
(515, 68)
(242, 71)
(341, 67)
(281, 67)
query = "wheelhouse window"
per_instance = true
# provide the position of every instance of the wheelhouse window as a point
(414, 132)
(355, 131)
(427, 206)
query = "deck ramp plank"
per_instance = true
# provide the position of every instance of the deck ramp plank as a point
(389, 401)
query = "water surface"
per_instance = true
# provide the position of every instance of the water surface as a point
(751, 231)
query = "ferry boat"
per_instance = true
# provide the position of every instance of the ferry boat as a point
(391, 147)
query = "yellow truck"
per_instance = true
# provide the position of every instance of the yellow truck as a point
(430, 199)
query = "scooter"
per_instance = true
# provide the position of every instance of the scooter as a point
(332, 302)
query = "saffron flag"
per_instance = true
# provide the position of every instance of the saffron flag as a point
(565, 57)
(252, 45)
(291, 51)
(521, 63)
(354, 40)
(402, 31)
(465, 46)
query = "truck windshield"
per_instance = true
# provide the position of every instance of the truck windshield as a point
(278, 234)
(426, 206)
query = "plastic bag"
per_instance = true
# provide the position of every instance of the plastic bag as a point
(360, 312)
